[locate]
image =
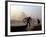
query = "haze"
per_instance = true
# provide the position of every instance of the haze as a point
(20, 11)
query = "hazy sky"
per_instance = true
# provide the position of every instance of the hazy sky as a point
(29, 10)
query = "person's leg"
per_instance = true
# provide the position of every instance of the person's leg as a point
(29, 24)
(27, 28)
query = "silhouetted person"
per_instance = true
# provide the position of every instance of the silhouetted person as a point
(38, 21)
(27, 20)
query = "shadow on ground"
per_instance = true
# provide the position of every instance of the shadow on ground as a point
(23, 28)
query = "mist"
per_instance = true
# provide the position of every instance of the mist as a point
(19, 12)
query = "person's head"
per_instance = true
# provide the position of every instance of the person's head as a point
(30, 18)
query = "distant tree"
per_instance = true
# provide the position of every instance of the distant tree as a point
(23, 14)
